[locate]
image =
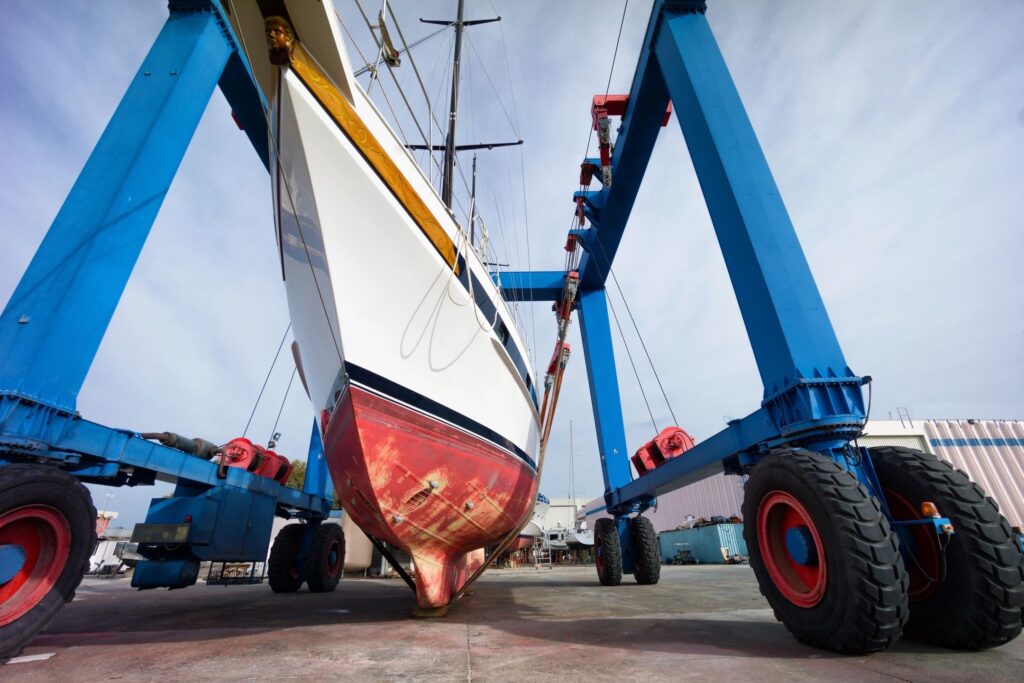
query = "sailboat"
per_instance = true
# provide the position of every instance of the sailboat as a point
(427, 401)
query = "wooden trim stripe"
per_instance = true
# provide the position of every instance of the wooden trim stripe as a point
(335, 104)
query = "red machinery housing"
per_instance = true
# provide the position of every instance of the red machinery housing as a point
(261, 461)
(670, 443)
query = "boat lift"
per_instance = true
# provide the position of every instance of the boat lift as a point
(822, 515)
(811, 396)
(51, 329)
(848, 543)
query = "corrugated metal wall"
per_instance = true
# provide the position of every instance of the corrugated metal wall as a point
(991, 452)
(718, 495)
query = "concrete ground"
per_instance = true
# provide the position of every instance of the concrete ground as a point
(703, 622)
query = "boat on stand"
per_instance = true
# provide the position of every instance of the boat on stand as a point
(428, 406)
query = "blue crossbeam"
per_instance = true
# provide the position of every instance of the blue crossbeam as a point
(700, 462)
(541, 285)
(93, 451)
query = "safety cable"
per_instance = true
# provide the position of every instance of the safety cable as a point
(280, 410)
(427, 139)
(639, 336)
(608, 87)
(629, 355)
(291, 199)
(487, 75)
(267, 378)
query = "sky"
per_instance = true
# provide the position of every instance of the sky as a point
(895, 133)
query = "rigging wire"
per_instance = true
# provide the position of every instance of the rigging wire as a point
(522, 167)
(273, 432)
(423, 88)
(266, 379)
(639, 335)
(608, 86)
(405, 48)
(412, 113)
(497, 96)
(611, 271)
(380, 45)
(291, 199)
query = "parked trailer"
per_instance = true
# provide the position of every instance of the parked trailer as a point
(51, 329)
(851, 546)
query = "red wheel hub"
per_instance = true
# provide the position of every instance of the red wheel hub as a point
(919, 545)
(791, 549)
(45, 537)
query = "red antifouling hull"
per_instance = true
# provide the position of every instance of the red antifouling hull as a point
(438, 492)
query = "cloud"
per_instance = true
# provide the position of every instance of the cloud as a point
(895, 136)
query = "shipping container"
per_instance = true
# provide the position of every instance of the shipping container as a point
(705, 543)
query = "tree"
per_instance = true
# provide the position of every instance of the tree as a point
(298, 475)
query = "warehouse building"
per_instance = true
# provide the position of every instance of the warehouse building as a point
(991, 452)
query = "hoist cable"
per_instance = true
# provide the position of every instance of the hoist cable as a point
(267, 378)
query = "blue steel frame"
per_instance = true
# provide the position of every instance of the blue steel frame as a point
(812, 399)
(52, 326)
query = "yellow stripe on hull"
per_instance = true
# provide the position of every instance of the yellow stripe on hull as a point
(348, 120)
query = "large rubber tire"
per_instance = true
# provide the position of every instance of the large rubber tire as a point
(979, 603)
(849, 594)
(647, 555)
(607, 552)
(50, 513)
(284, 570)
(326, 558)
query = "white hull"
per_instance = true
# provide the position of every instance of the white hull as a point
(367, 287)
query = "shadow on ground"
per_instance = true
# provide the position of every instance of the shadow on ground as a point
(529, 609)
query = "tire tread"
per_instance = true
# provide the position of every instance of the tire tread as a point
(998, 592)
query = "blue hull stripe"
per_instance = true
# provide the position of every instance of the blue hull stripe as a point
(393, 390)
(985, 443)
(501, 328)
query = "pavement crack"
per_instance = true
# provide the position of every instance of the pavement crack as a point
(863, 665)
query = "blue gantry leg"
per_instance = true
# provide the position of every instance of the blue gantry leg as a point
(52, 326)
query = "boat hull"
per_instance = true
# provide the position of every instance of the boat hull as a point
(418, 482)
(402, 337)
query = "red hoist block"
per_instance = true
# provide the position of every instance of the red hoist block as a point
(261, 461)
(670, 443)
(615, 105)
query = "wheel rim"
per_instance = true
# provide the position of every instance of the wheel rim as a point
(334, 557)
(791, 549)
(599, 554)
(44, 536)
(918, 545)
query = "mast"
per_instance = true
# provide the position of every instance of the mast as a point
(453, 111)
(450, 148)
